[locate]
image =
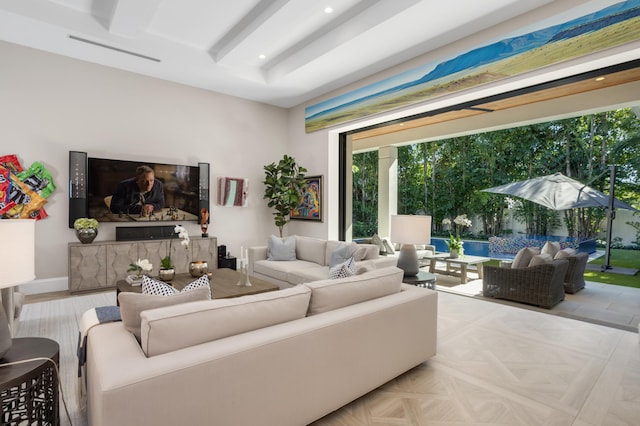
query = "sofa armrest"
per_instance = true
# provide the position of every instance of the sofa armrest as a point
(255, 254)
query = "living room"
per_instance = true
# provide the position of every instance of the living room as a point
(54, 104)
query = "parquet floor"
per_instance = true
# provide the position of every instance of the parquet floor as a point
(502, 365)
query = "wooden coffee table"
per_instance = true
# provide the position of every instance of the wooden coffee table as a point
(457, 266)
(223, 284)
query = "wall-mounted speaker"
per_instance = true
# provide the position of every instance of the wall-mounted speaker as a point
(203, 192)
(78, 204)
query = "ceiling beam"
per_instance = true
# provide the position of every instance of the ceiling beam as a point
(132, 17)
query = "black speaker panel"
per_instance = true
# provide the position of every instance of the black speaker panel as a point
(135, 233)
(203, 191)
(78, 203)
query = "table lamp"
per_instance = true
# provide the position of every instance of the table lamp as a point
(17, 252)
(409, 230)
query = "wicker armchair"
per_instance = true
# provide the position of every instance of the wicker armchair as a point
(574, 278)
(540, 285)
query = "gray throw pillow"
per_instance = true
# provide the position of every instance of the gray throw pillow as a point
(282, 248)
(340, 255)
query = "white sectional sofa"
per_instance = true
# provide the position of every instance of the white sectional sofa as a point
(312, 260)
(286, 357)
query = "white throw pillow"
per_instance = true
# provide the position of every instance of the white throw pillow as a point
(159, 288)
(540, 259)
(524, 256)
(358, 252)
(550, 247)
(282, 248)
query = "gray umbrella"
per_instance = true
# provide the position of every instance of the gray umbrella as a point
(558, 192)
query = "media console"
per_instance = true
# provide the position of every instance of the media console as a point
(99, 265)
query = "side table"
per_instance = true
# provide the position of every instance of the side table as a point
(423, 279)
(29, 391)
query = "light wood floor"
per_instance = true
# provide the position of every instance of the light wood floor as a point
(495, 365)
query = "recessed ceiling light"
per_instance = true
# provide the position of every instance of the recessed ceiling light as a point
(262, 56)
(600, 78)
(328, 9)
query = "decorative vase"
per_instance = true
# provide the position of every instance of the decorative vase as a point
(198, 268)
(454, 254)
(86, 235)
(166, 274)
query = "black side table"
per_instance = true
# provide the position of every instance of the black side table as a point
(29, 391)
(423, 279)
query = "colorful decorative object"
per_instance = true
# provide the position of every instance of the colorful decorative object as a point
(232, 192)
(310, 206)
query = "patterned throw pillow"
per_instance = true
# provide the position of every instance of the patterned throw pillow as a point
(160, 288)
(343, 270)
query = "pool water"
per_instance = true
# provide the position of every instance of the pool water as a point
(472, 248)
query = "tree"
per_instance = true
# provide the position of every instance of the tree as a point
(284, 183)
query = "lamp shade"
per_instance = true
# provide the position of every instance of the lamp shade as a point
(17, 251)
(411, 229)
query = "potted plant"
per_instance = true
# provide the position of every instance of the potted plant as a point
(167, 269)
(284, 183)
(86, 229)
(455, 243)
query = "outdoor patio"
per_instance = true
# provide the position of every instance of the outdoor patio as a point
(598, 303)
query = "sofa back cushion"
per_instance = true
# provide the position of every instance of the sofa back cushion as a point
(551, 248)
(524, 256)
(175, 327)
(132, 304)
(311, 249)
(327, 295)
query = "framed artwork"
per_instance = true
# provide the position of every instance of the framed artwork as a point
(310, 207)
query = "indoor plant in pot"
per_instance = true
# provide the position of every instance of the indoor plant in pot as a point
(167, 268)
(86, 229)
(284, 183)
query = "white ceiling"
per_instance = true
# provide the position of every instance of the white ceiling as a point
(215, 44)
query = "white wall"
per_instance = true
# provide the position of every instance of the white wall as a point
(50, 104)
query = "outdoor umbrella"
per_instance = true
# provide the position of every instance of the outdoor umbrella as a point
(558, 192)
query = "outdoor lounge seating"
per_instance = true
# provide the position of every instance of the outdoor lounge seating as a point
(574, 278)
(541, 285)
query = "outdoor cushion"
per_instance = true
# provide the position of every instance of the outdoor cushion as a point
(551, 247)
(540, 259)
(565, 253)
(524, 256)
(282, 248)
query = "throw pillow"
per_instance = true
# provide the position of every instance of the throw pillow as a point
(343, 270)
(387, 246)
(540, 259)
(358, 252)
(158, 288)
(341, 254)
(377, 241)
(132, 304)
(524, 257)
(282, 248)
(551, 247)
(565, 253)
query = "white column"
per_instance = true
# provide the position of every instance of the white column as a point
(387, 187)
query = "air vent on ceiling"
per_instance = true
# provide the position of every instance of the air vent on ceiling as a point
(106, 46)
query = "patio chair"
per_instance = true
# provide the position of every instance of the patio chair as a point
(540, 285)
(574, 278)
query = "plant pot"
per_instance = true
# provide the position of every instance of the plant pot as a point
(198, 268)
(453, 254)
(166, 274)
(87, 235)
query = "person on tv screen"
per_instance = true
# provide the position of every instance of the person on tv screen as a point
(141, 194)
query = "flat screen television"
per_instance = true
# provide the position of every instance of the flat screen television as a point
(179, 192)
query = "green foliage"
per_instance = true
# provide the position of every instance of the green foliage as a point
(85, 223)
(284, 183)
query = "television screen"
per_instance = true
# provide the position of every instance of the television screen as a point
(122, 191)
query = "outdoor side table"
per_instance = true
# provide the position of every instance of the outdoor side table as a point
(29, 391)
(423, 279)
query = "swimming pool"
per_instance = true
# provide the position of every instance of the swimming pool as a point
(472, 248)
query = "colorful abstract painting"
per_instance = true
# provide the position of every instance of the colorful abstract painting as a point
(232, 192)
(528, 50)
(310, 207)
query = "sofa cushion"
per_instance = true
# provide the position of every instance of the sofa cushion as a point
(160, 288)
(343, 270)
(306, 275)
(550, 247)
(524, 256)
(541, 259)
(340, 254)
(358, 252)
(365, 266)
(280, 270)
(565, 253)
(282, 248)
(131, 304)
(311, 249)
(327, 295)
(181, 326)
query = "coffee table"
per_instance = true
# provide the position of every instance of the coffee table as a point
(457, 266)
(223, 284)
(422, 279)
